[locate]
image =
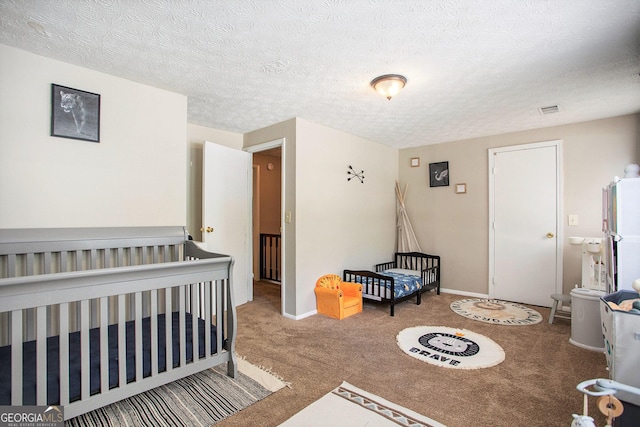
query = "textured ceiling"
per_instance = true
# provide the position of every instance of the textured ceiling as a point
(474, 68)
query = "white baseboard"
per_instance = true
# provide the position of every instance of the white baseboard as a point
(463, 293)
(301, 316)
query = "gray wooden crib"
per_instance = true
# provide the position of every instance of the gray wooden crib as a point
(77, 302)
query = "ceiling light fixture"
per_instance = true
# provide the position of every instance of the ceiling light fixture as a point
(389, 85)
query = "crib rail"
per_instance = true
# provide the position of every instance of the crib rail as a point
(25, 252)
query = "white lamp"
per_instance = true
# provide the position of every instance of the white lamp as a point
(389, 85)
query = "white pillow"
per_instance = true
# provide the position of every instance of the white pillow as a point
(404, 271)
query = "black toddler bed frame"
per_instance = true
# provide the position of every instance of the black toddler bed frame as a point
(77, 302)
(377, 286)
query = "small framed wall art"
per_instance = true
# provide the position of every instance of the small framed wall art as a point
(75, 113)
(439, 174)
(461, 188)
(415, 162)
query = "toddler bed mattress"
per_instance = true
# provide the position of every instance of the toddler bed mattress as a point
(53, 358)
(406, 282)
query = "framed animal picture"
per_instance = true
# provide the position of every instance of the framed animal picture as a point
(75, 113)
(439, 174)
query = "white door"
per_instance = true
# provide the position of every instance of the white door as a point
(525, 256)
(226, 211)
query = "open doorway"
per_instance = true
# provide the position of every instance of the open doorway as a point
(268, 238)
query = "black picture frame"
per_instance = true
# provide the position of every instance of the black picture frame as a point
(439, 174)
(75, 113)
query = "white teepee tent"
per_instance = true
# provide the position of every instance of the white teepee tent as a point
(406, 238)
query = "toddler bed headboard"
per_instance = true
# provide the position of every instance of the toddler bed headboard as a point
(84, 299)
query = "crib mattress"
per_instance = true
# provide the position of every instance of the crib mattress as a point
(53, 358)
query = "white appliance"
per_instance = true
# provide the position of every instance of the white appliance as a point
(594, 270)
(621, 226)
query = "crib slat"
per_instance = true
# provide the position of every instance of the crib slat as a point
(195, 324)
(207, 319)
(64, 354)
(84, 349)
(219, 304)
(41, 355)
(168, 315)
(138, 335)
(16, 358)
(93, 259)
(107, 258)
(154, 332)
(63, 261)
(104, 344)
(47, 262)
(122, 341)
(182, 342)
(29, 262)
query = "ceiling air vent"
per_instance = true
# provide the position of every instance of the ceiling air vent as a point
(548, 110)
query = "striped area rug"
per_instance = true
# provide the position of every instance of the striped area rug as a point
(202, 399)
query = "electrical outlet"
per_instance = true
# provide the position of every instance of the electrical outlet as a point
(573, 219)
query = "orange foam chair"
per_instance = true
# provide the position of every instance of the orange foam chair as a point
(338, 299)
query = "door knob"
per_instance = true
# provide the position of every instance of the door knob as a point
(208, 229)
(550, 235)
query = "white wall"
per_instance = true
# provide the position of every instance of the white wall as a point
(335, 224)
(340, 224)
(135, 176)
(455, 226)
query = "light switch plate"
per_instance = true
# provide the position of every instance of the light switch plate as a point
(573, 219)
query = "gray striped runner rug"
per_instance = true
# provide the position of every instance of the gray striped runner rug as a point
(202, 399)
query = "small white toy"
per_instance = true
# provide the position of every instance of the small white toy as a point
(631, 171)
(582, 421)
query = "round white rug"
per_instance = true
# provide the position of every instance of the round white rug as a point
(496, 312)
(449, 347)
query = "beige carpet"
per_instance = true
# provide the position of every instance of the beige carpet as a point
(535, 385)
